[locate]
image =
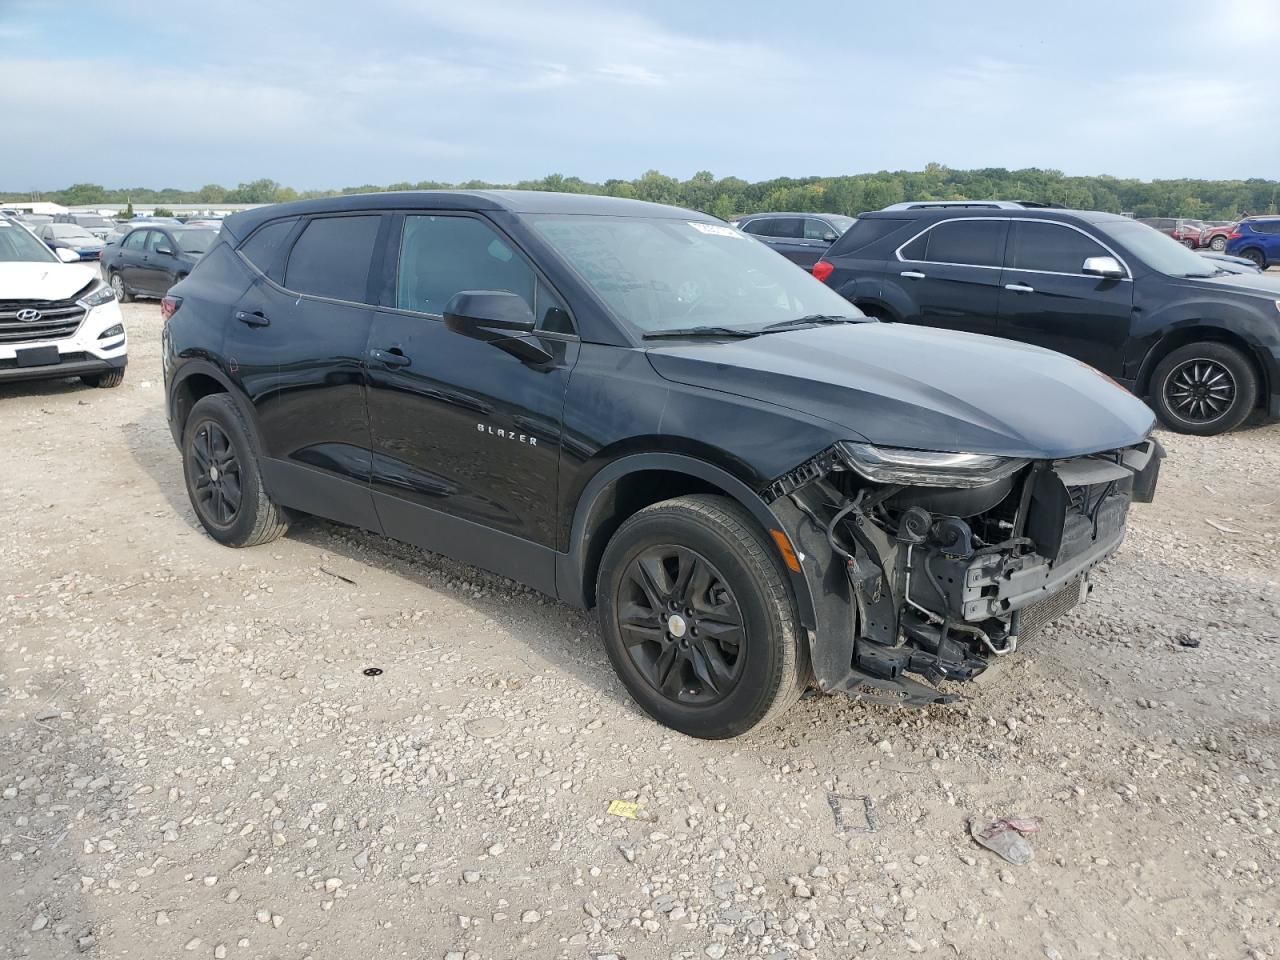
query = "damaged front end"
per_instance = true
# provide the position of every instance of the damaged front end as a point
(931, 564)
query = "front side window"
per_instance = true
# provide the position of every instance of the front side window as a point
(156, 240)
(977, 243)
(658, 275)
(1050, 248)
(332, 257)
(443, 255)
(816, 229)
(195, 239)
(135, 239)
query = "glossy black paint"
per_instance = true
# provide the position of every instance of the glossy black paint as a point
(1122, 327)
(520, 460)
(153, 266)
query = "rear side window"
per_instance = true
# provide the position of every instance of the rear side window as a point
(1050, 248)
(863, 233)
(332, 257)
(1266, 226)
(440, 256)
(978, 243)
(264, 248)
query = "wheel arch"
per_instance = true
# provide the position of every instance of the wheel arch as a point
(195, 380)
(1197, 333)
(638, 480)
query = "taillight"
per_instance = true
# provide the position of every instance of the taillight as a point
(1234, 235)
(822, 269)
(168, 307)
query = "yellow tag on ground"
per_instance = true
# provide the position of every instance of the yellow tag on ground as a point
(624, 808)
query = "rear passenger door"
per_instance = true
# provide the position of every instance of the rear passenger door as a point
(950, 274)
(297, 339)
(466, 435)
(1047, 299)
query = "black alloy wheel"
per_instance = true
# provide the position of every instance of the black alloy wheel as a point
(215, 475)
(1200, 390)
(1256, 257)
(681, 625)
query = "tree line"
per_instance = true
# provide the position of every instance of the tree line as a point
(728, 197)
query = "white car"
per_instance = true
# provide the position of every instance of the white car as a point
(57, 319)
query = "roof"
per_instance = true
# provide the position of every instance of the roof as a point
(511, 201)
(789, 213)
(1033, 213)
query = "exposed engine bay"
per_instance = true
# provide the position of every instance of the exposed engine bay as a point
(946, 576)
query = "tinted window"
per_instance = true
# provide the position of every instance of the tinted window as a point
(1266, 226)
(156, 240)
(755, 227)
(970, 242)
(791, 228)
(1047, 246)
(865, 232)
(439, 256)
(816, 229)
(332, 257)
(135, 239)
(264, 247)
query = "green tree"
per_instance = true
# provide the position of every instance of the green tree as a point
(162, 212)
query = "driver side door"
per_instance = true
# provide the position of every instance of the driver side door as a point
(466, 436)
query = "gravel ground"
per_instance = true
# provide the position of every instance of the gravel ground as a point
(193, 762)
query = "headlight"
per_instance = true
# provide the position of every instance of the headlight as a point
(926, 468)
(98, 296)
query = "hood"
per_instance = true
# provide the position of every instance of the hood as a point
(1259, 284)
(922, 388)
(44, 281)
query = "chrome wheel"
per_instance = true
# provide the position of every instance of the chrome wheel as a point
(118, 286)
(1200, 390)
(215, 475)
(681, 625)
(1218, 244)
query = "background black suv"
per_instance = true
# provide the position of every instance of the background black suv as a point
(802, 238)
(639, 408)
(1203, 345)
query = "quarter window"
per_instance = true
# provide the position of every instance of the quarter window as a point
(332, 258)
(264, 248)
(1050, 248)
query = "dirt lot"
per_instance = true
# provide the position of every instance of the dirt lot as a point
(193, 762)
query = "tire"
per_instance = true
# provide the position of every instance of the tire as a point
(1191, 383)
(217, 446)
(1218, 244)
(1189, 244)
(729, 679)
(107, 380)
(1254, 254)
(117, 284)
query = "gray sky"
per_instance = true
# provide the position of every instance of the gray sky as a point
(326, 94)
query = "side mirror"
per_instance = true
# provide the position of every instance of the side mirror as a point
(164, 250)
(497, 317)
(830, 237)
(1103, 267)
(65, 255)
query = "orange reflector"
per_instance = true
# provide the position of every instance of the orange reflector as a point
(785, 548)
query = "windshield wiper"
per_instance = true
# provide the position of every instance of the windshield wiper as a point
(737, 332)
(811, 319)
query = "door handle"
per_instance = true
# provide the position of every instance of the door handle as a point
(912, 274)
(390, 358)
(254, 319)
(1019, 288)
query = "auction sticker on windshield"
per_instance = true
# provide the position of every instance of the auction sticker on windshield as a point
(715, 230)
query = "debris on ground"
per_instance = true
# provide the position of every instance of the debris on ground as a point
(1006, 837)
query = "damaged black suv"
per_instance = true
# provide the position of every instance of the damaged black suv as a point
(638, 408)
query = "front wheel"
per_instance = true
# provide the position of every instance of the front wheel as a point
(105, 380)
(223, 480)
(1189, 244)
(698, 620)
(1204, 388)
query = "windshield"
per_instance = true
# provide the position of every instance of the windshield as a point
(18, 246)
(841, 223)
(91, 221)
(659, 275)
(1157, 250)
(68, 231)
(196, 240)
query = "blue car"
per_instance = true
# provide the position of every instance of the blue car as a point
(1256, 239)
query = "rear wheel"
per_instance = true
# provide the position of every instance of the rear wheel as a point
(223, 480)
(1254, 254)
(1218, 244)
(697, 618)
(1189, 244)
(117, 284)
(1204, 388)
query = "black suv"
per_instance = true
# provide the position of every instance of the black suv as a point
(803, 238)
(1201, 343)
(639, 408)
